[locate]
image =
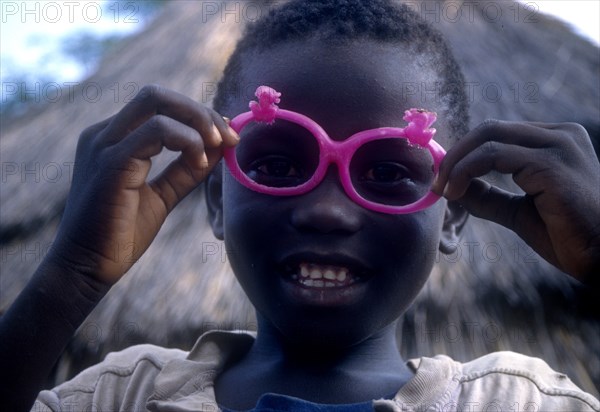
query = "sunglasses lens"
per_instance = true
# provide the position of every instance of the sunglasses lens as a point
(282, 154)
(391, 171)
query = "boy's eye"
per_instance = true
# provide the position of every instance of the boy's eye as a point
(386, 172)
(276, 166)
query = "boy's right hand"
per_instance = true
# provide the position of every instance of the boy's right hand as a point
(112, 212)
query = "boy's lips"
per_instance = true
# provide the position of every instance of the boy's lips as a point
(324, 279)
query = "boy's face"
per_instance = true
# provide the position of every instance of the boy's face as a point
(386, 258)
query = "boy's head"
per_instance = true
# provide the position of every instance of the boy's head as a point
(350, 66)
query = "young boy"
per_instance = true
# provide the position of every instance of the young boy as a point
(342, 64)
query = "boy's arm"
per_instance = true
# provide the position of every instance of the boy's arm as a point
(38, 326)
(111, 207)
(555, 165)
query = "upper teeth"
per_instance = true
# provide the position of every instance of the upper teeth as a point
(313, 271)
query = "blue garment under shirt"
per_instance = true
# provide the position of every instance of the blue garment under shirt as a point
(271, 402)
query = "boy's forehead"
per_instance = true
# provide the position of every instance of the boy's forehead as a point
(368, 84)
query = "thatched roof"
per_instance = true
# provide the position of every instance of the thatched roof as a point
(474, 303)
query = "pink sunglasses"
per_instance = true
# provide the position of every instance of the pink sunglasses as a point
(284, 153)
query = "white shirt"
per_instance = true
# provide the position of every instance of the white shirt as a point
(151, 378)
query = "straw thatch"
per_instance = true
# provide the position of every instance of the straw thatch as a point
(492, 295)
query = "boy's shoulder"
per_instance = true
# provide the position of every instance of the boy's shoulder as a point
(513, 363)
(497, 381)
(136, 366)
(144, 376)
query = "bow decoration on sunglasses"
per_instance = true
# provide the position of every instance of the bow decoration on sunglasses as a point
(418, 128)
(266, 108)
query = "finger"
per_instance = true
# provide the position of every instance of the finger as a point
(161, 131)
(85, 155)
(504, 158)
(149, 139)
(89, 135)
(515, 212)
(92, 130)
(179, 179)
(229, 136)
(568, 134)
(186, 172)
(519, 133)
(153, 100)
(491, 203)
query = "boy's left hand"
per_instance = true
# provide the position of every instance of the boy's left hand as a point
(555, 165)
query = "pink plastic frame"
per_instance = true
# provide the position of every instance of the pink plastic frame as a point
(417, 132)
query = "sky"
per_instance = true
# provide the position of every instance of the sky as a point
(32, 32)
(582, 15)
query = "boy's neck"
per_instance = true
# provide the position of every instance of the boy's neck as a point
(369, 370)
(371, 354)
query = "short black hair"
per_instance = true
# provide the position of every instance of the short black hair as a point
(342, 21)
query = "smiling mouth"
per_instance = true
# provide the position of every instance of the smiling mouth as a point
(318, 276)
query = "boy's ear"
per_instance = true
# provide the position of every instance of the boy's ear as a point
(455, 219)
(214, 200)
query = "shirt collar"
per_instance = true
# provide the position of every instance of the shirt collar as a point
(186, 385)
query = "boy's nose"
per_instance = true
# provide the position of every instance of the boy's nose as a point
(327, 208)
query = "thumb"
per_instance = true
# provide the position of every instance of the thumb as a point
(514, 211)
(492, 203)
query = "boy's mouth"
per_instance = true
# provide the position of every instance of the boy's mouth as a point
(314, 275)
(324, 279)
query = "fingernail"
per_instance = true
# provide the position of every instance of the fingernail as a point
(227, 119)
(437, 187)
(435, 184)
(216, 132)
(204, 161)
(446, 190)
(234, 134)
